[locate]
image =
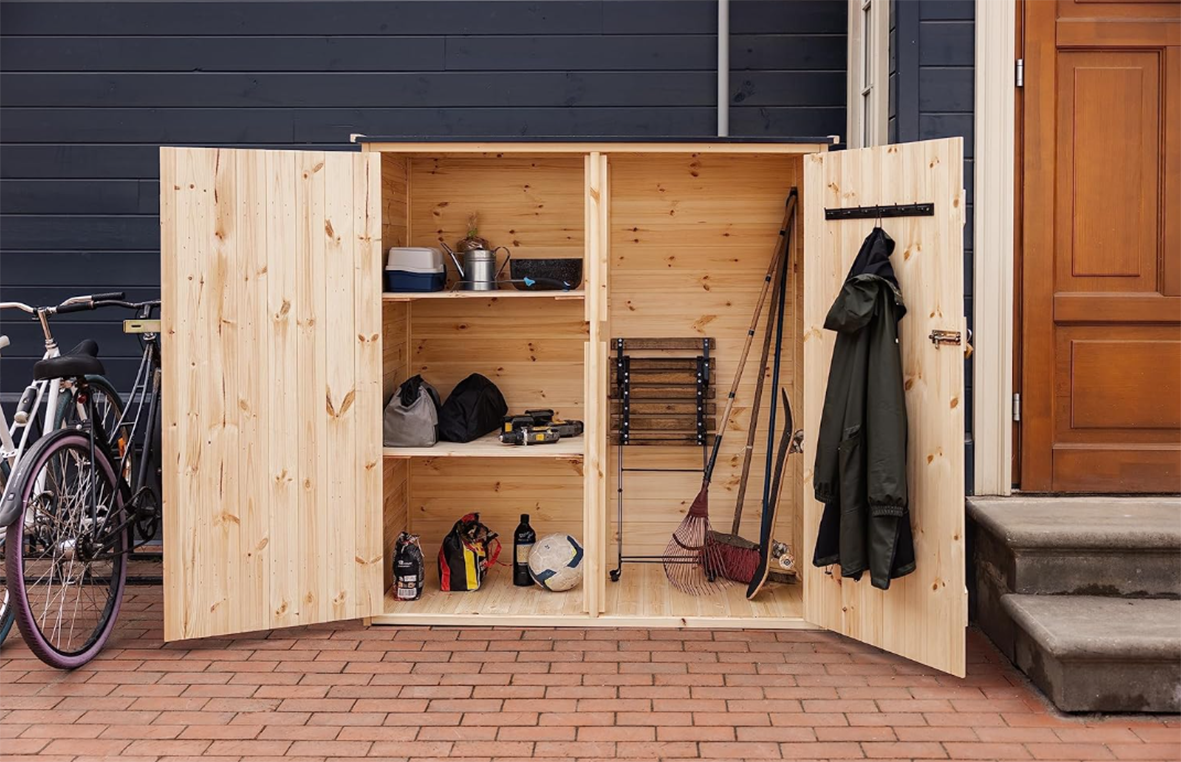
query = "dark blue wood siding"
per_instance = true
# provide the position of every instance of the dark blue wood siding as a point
(89, 90)
(932, 95)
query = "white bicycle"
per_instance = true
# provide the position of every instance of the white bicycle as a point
(50, 404)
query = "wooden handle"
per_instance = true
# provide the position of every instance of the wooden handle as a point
(752, 431)
(780, 247)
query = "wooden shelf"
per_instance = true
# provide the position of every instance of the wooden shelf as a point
(642, 598)
(497, 601)
(503, 293)
(490, 447)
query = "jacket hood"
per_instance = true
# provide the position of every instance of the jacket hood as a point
(870, 274)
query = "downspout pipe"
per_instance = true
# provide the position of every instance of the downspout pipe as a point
(723, 68)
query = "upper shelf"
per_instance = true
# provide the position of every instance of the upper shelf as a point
(490, 447)
(499, 294)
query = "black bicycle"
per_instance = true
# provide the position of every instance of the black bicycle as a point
(74, 500)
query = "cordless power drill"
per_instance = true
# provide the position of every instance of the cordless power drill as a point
(537, 427)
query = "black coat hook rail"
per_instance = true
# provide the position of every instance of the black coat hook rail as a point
(876, 212)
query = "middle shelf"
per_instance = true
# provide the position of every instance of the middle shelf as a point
(490, 447)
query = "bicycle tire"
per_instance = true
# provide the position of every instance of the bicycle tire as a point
(26, 474)
(5, 608)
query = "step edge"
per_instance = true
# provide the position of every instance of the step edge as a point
(1168, 651)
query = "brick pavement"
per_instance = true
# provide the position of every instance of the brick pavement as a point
(344, 691)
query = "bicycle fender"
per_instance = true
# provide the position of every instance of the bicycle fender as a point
(11, 507)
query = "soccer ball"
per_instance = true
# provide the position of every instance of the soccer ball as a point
(555, 562)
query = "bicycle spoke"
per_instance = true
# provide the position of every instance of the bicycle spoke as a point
(69, 582)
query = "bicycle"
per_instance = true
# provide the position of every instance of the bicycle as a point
(72, 500)
(43, 401)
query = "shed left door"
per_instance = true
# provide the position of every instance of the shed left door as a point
(270, 283)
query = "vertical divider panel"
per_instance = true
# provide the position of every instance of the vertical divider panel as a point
(595, 401)
(271, 400)
(368, 374)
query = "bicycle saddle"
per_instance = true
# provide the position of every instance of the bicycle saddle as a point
(82, 360)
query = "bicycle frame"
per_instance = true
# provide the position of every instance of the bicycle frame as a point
(12, 446)
(149, 373)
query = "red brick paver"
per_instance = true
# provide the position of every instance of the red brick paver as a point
(344, 691)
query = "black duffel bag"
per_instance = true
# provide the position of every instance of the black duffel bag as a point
(475, 408)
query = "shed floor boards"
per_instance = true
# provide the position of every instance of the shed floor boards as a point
(642, 594)
(497, 602)
(642, 598)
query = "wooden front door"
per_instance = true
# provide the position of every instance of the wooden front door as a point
(270, 275)
(1101, 281)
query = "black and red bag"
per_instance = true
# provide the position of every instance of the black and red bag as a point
(468, 551)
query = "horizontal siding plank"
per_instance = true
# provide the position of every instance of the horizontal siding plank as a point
(797, 16)
(947, 10)
(933, 126)
(654, 17)
(766, 88)
(951, 43)
(72, 159)
(202, 54)
(697, 52)
(947, 90)
(52, 231)
(104, 270)
(787, 52)
(369, 90)
(313, 18)
(85, 197)
(765, 120)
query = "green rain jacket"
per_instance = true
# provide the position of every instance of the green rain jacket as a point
(860, 474)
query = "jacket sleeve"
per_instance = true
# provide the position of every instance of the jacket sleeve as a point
(886, 416)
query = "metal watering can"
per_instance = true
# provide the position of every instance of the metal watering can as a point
(478, 271)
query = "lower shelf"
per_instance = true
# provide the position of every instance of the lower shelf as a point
(642, 598)
(498, 601)
(643, 594)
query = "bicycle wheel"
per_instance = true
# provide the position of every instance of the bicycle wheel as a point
(108, 407)
(5, 607)
(66, 583)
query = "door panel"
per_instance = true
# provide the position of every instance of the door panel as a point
(1102, 283)
(922, 616)
(272, 398)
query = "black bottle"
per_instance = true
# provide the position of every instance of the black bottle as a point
(523, 540)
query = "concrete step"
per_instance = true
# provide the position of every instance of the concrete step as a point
(1079, 546)
(1099, 654)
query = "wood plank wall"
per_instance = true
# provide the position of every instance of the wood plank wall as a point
(691, 239)
(91, 89)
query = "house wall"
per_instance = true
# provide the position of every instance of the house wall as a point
(89, 91)
(932, 95)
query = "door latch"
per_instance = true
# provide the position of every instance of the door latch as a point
(946, 337)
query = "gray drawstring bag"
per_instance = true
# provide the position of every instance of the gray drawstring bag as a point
(411, 418)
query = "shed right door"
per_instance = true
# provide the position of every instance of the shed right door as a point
(923, 615)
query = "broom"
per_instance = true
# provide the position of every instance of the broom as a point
(739, 556)
(692, 563)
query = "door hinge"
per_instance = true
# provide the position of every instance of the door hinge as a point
(1017, 406)
(1020, 72)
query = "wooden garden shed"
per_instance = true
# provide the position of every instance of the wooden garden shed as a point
(281, 506)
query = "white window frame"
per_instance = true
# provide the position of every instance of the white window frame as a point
(868, 73)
